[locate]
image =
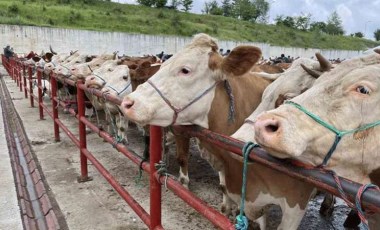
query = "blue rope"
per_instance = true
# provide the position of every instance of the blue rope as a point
(241, 220)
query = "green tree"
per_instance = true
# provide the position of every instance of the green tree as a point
(160, 3)
(376, 34)
(227, 8)
(285, 21)
(262, 9)
(174, 4)
(244, 10)
(187, 5)
(321, 26)
(302, 22)
(149, 3)
(359, 35)
(334, 24)
(212, 8)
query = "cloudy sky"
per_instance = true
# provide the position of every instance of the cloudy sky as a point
(357, 15)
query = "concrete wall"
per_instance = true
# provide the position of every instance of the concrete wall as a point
(27, 38)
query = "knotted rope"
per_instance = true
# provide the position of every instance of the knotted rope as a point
(231, 112)
(241, 219)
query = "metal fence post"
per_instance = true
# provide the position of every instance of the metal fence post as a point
(53, 83)
(40, 101)
(82, 134)
(24, 76)
(30, 73)
(155, 186)
(19, 74)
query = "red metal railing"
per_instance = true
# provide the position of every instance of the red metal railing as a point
(152, 220)
(319, 178)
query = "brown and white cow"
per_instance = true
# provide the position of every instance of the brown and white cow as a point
(344, 98)
(190, 88)
(289, 84)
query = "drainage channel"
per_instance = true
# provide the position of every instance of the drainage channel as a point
(37, 212)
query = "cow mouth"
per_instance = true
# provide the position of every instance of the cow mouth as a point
(93, 86)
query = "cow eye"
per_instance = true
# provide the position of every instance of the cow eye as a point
(362, 89)
(125, 77)
(109, 70)
(185, 71)
(97, 64)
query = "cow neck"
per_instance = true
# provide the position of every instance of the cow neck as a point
(178, 110)
(338, 133)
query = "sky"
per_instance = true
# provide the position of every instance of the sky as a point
(357, 15)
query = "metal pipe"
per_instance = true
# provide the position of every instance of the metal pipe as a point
(25, 85)
(155, 186)
(19, 75)
(53, 83)
(214, 216)
(82, 134)
(144, 216)
(317, 177)
(40, 95)
(30, 73)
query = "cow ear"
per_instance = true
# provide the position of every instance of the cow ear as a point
(48, 57)
(240, 60)
(133, 66)
(36, 59)
(88, 58)
(145, 64)
(215, 61)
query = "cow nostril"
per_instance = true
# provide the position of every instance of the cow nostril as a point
(128, 103)
(93, 78)
(272, 126)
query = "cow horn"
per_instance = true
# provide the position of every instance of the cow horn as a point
(313, 73)
(377, 50)
(323, 62)
(52, 51)
(115, 55)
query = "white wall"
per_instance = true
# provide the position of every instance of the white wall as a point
(30, 38)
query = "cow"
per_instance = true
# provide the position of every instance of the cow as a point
(80, 71)
(118, 85)
(294, 81)
(342, 99)
(196, 86)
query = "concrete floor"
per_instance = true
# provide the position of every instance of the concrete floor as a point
(10, 217)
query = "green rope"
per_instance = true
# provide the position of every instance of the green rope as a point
(241, 220)
(339, 133)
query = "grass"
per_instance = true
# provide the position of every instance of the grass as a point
(109, 16)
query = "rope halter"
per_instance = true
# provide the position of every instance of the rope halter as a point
(118, 92)
(178, 110)
(339, 133)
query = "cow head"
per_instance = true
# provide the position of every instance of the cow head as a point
(140, 74)
(188, 77)
(80, 71)
(346, 98)
(289, 84)
(118, 85)
(99, 77)
(65, 68)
